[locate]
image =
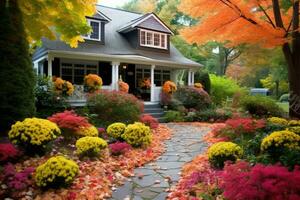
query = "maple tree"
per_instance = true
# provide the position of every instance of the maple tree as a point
(269, 23)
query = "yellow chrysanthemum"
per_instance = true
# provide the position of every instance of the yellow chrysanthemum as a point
(137, 134)
(278, 121)
(116, 130)
(280, 139)
(33, 131)
(56, 172)
(88, 131)
(90, 146)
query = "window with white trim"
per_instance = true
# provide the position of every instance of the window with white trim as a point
(75, 72)
(96, 30)
(153, 39)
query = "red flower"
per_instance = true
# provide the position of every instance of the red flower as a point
(69, 120)
(8, 152)
(243, 182)
(149, 121)
(245, 125)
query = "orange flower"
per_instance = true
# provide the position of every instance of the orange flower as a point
(123, 87)
(63, 87)
(198, 85)
(169, 87)
(93, 82)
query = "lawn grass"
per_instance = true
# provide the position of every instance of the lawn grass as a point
(284, 106)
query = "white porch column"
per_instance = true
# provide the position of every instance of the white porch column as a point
(152, 89)
(115, 75)
(36, 67)
(193, 78)
(50, 59)
(189, 78)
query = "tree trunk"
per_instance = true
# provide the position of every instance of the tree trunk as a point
(293, 60)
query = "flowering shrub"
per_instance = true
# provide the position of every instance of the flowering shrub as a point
(137, 134)
(277, 140)
(295, 129)
(69, 122)
(260, 182)
(192, 98)
(33, 132)
(294, 123)
(116, 130)
(56, 172)
(245, 125)
(114, 106)
(90, 146)
(278, 121)
(119, 148)
(63, 87)
(91, 131)
(93, 82)
(198, 85)
(8, 152)
(220, 152)
(123, 87)
(149, 121)
(169, 87)
(17, 180)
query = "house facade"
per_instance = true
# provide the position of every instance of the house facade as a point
(123, 45)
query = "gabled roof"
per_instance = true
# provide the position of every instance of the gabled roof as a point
(148, 21)
(116, 44)
(99, 15)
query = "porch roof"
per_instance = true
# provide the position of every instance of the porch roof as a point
(116, 45)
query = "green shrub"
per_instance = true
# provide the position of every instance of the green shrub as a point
(137, 135)
(47, 102)
(220, 152)
(116, 130)
(90, 146)
(261, 106)
(192, 98)
(173, 116)
(108, 107)
(17, 77)
(202, 77)
(222, 87)
(213, 115)
(56, 172)
(284, 98)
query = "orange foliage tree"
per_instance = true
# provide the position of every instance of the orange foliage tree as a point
(269, 23)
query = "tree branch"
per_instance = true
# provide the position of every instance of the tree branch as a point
(266, 14)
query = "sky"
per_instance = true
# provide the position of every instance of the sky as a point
(112, 3)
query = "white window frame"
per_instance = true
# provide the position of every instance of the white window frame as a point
(152, 39)
(88, 36)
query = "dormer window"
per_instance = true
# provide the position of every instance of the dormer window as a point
(153, 39)
(96, 30)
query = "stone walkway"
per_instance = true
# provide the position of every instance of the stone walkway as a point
(155, 178)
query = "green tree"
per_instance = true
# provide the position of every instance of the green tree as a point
(16, 73)
(28, 21)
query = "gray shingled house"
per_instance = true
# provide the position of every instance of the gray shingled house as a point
(123, 45)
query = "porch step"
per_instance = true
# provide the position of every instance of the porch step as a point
(155, 111)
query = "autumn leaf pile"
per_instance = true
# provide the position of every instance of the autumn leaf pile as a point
(98, 178)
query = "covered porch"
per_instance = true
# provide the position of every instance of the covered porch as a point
(132, 69)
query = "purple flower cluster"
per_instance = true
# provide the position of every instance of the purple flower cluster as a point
(119, 148)
(17, 180)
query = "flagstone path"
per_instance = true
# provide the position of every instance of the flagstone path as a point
(153, 179)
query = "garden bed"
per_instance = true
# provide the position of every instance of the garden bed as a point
(97, 177)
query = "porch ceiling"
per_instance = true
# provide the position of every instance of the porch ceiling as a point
(134, 59)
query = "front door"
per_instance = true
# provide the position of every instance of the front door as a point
(127, 73)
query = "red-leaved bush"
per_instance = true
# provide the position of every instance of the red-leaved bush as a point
(17, 180)
(119, 148)
(8, 152)
(149, 121)
(245, 125)
(243, 182)
(69, 120)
